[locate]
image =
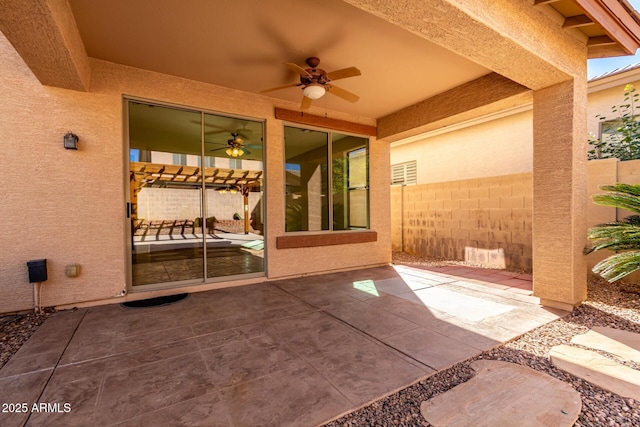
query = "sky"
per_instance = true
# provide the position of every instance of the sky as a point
(595, 67)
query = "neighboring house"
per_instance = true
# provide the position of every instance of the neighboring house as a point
(185, 79)
(491, 192)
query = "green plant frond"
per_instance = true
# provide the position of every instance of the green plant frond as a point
(625, 226)
(620, 187)
(616, 236)
(617, 200)
(623, 196)
(618, 266)
(613, 231)
(612, 246)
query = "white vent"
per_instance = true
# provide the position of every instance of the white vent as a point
(404, 173)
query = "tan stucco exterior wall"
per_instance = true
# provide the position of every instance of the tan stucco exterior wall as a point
(68, 206)
(604, 95)
(502, 146)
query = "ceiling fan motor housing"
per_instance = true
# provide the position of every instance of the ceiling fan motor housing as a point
(318, 75)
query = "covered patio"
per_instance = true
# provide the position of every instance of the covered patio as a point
(85, 68)
(300, 351)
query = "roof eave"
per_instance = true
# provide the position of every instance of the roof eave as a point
(619, 20)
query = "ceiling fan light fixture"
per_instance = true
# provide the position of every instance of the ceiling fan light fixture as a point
(314, 91)
(235, 151)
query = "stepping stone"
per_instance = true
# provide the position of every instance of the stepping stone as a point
(597, 369)
(624, 344)
(505, 394)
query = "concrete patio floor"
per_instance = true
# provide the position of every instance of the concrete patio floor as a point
(292, 352)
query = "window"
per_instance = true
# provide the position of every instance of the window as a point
(179, 159)
(209, 162)
(323, 198)
(404, 173)
(610, 131)
(235, 163)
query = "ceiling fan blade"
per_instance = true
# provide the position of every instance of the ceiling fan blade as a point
(216, 149)
(344, 73)
(244, 150)
(279, 87)
(216, 132)
(297, 69)
(344, 94)
(306, 103)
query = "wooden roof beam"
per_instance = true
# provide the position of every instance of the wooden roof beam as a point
(539, 2)
(577, 21)
(600, 41)
(620, 23)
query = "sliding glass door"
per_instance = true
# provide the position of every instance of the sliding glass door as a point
(195, 184)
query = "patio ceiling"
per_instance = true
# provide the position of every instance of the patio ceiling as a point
(242, 44)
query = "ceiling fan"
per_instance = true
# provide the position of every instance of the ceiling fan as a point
(235, 147)
(316, 82)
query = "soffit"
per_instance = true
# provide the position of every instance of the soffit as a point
(600, 23)
(242, 44)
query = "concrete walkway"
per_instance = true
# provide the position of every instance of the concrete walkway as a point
(292, 352)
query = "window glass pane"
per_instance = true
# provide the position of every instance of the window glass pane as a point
(165, 194)
(233, 190)
(350, 182)
(306, 203)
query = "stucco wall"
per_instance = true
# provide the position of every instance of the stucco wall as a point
(603, 95)
(497, 147)
(68, 206)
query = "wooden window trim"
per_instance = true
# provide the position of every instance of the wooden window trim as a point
(325, 239)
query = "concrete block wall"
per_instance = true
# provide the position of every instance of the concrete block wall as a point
(489, 220)
(171, 203)
(484, 220)
(396, 218)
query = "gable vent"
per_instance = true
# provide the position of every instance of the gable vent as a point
(404, 173)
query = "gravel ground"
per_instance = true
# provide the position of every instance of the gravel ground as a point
(614, 305)
(16, 329)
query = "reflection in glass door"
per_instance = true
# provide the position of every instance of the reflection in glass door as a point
(233, 189)
(195, 183)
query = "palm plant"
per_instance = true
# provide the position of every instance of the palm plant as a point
(623, 235)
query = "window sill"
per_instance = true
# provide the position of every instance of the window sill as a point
(325, 239)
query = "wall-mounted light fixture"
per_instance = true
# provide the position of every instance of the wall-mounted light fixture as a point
(71, 141)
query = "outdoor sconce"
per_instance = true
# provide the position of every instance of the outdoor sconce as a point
(71, 141)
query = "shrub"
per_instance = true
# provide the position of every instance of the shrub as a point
(623, 235)
(624, 133)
